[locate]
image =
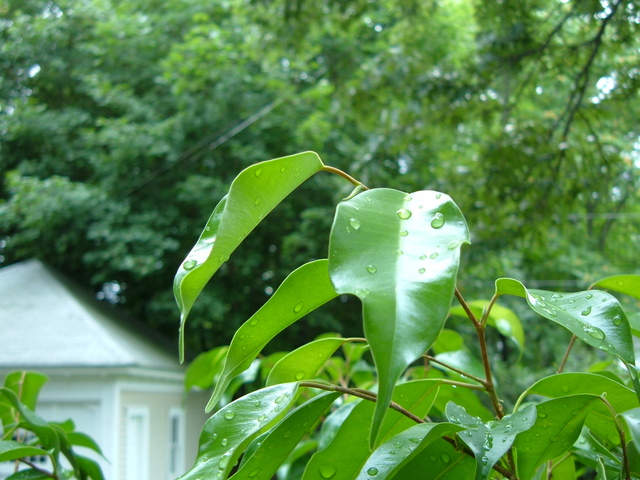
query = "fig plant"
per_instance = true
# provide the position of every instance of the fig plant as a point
(429, 411)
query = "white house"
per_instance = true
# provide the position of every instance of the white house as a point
(117, 385)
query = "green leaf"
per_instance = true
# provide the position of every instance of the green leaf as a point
(626, 284)
(90, 467)
(443, 461)
(490, 441)
(594, 317)
(11, 450)
(304, 290)
(205, 368)
(304, 362)
(399, 450)
(501, 318)
(448, 341)
(599, 419)
(26, 385)
(83, 440)
(252, 195)
(557, 427)
(29, 474)
(283, 438)
(399, 254)
(632, 417)
(228, 432)
(348, 449)
(462, 360)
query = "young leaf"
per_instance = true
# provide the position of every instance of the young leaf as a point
(392, 455)
(399, 254)
(557, 427)
(11, 450)
(593, 316)
(304, 362)
(228, 432)
(253, 194)
(26, 385)
(489, 442)
(282, 439)
(599, 419)
(304, 290)
(626, 284)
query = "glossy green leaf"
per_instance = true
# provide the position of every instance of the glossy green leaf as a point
(438, 461)
(205, 368)
(448, 341)
(399, 450)
(228, 432)
(489, 442)
(26, 385)
(502, 318)
(626, 284)
(83, 440)
(557, 427)
(348, 448)
(11, 450)
(304, 290)
(632, 417)
(594, 317)
(462, 360)
(29, 474)
(399, 254)
(90, 467)
(283, 438)
(599, 419)
(304, 362)
(252, 195)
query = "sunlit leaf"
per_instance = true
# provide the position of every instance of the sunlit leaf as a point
(599, 419)
(27, 386)
(490, 441)
(593, 316)
(392, 455)
(557, 427)
(399, 254)
(29, 474)
(283, 438)
(228, 432)
(444, 463)
(11, 450)
(90, 467)
(626, 284)
(252, 195)
(304, 290)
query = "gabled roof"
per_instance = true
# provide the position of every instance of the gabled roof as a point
(46, 322)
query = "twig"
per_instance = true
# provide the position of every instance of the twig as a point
(566, 354)
(345, 175)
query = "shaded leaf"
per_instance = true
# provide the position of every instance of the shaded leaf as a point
(557, 427)
(626, 284)
(462, 360)
(280, 441)
(252, 195)
(304, 362)
(29, 474)
(632, 417)
(490, 441)
(448, 341)
(205, 368)
(11, 450)
(83, 440)
(228, 432)
(304, 290)
(399, 254)
(90, 467)
(399, 450)
(595, 317)
(26, 385)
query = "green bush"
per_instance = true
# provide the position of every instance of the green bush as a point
(431, 407)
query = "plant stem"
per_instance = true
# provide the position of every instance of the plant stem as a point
(487, 310)
(566, 354)
(623, 442)
(35, 467)
(345, 175)
(488, 382)
(457, 370)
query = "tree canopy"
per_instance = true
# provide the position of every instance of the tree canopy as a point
(123, 122)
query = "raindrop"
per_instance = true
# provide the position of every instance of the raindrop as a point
(586, 311)
(445, 458)
(414, 440)
(421, 270)
(438, 195)
(407, 198)
(257, 403)
(298, 307)
(299, 375)
(404, 214)
(189, 264)
(363, 293)
(253, 473)
(279, 399)
(224, 442)
(262, 418)
(372, 472)
(371, 269)
(437, 221)
(453, 244)
(283, 169)
(229, 415)
(213, 437)
(257, 201)
(617, 320)
(355, 223)
(589, 296)
(253, 322)
(555, 297)
(594, 332)
(398, 444)
(258, 172)
(399, 252)
(434, 255)
(403, 233)
(422, 257)
(327, 471)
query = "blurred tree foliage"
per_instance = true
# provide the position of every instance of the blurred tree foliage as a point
(122, 121)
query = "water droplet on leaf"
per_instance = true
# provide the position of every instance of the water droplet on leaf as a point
(617, 320)
(298, 307)
(404, 214)
(372, 472)
(254, 472)
(189, 264)
(403, 233)
(355, 223)
(434, 255)
(229, 415)
(327, 471)
(399, 252)
(258, 172)
(224, 442)
(437, 221)
(589, 296)
(371, 269)
(299, 375)
(422, 257)
(257, 201)
(445, 458)
(253, 322)
(421, 270)
(586, 311)
(438, 195)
